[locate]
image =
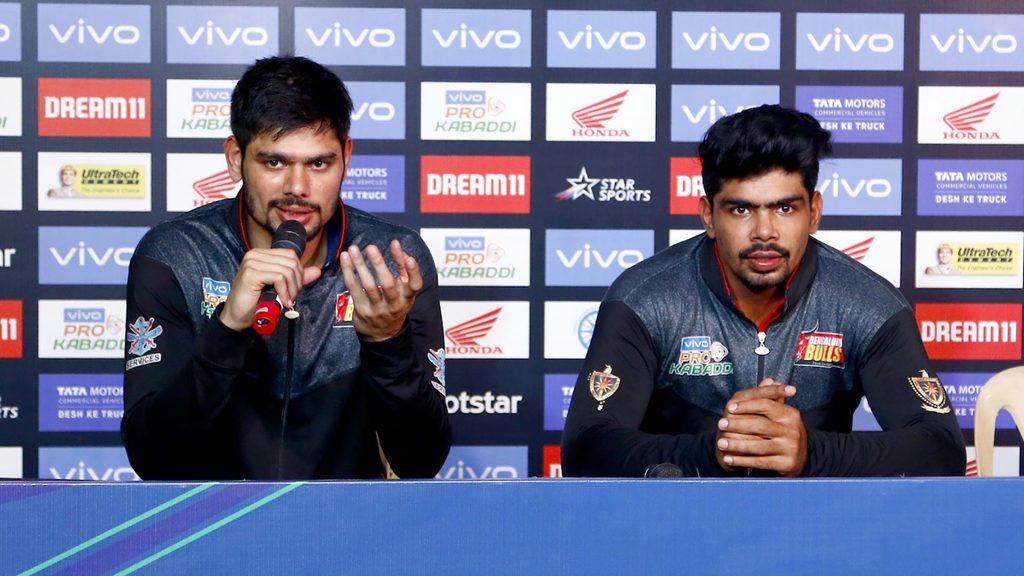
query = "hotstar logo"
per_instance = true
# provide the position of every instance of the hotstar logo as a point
(964, 121)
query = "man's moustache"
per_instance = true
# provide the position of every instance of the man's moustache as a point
(764, 248)
(291, 203)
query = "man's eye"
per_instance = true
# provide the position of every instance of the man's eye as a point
(273, 163)
(319, 164)
(740, 210)
(785, 209)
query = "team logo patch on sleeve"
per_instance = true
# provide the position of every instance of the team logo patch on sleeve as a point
(820, 349)
(602, 385)
(701, 356)
(436, 358)
(142, 337)
(214, 292)
(930, 390)
(344, 309)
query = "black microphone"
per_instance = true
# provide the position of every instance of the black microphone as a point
(663, 470)
(290, 234)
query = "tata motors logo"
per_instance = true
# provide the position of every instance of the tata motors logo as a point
(593, 257)
(843, 41)
(859, 114)
(969, 259)
(970, 115)
(568, 328)
(81, 328)
(82, 463)
(80, 402)
(861, 186)
(879, 250)
(195, 180)
(601, 112)
(94, 33)
(10, 107)
(557, 396)
(475, 184)
(93, 182)
(351, 36)
(475, 111)
(480, 256)
(486, 329)
(375, 183)
(970, 331)
(199, 108)
(726, 40)
(10, 192)
(491, 38)
(86, 255)
(94, 107)
(221, 34)
(10, 32)
(378, 110)
(696, 107)
(970, 187)
(972, 42)
(484, 463)
(11, 329)
(601, 39)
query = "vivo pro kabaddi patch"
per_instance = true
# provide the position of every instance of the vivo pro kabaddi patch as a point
(701, 356)
(214, 293)
(820, 349)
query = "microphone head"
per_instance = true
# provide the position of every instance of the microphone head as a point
(290, 234)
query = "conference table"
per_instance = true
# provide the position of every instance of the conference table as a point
(528, 526)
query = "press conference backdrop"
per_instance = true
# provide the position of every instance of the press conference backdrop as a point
(541, 148)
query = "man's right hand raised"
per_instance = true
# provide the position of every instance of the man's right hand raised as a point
(278, 267)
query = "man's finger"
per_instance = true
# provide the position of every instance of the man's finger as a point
(771, 392)
(749, 447)
(752, 425)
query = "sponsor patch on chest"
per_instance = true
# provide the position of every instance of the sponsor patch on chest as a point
(820, 349)
(701, 356)
(214, 292)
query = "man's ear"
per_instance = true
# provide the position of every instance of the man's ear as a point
(816, 206)
(233, 156)
(704, 206)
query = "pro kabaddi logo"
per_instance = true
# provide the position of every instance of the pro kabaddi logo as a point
(964, 121)
(701, 356)
(820, 349)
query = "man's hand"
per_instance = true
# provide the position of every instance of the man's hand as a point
(759, 430)
(277, 267)
(381, 300)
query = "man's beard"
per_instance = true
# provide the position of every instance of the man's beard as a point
(283, 202)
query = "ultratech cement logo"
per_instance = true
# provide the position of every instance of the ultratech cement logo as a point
(480, 256)
(199, 108)
(486, 403)
(970, 115)
(195, 180)
(11, 329)
(487, 329)
(491, 38)
(94, 33)
(475, 184)
(351, 36)
(972, 42)
(603, 189)
(820, 350)
(81, 328)
(601, 112)
(94, 107)
(686, 184)
(10, 107)
(969, 331)
(601, 39)
(475, 111)
(969, 259)
(726, 40)
(879, 250)
(701, 356)
(93, 181)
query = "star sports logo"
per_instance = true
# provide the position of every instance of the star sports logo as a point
(964, 121)
(471, 331)
(582, 185)
(608, 189)
(595, 115)
(859, 250)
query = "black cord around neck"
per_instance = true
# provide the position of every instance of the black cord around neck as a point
(289, 364)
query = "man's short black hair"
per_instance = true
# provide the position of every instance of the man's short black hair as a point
(282, 94)
(759, 140)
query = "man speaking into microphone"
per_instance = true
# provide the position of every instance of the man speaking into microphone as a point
(349, 381)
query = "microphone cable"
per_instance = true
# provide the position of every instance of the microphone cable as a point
(289, 365)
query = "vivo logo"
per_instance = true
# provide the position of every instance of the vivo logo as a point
(378, 111)
(465, 97)
(210, 34)
(464, 243)
(714, 40)
(695, 343)
(589, 257)
(211, 95)
(218, 288)
(709, 112)
(81, 32)
(962, 42)
(466, 37)
(838, 41)
(338, 36)
(95, 315)
(84, 256)
(5, 32)
(591, 39)
(83, 472)
(872, 187)
(462, 471)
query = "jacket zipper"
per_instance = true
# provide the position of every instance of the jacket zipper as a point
(761, 352)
